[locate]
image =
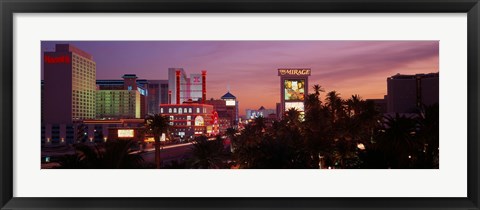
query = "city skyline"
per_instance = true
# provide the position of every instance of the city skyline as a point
(247, 68)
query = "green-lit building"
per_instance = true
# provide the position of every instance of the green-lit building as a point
(118, 104)
(120, 99)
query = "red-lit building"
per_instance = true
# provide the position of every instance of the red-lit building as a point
(226, 114)
(189, 119)
(183, 88)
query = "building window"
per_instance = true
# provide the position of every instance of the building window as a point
(189, 117)
(169, 110)
(198, 110)
(185, 110)
(189, 110)
(161, 110)
(174, 110)
(179, 110)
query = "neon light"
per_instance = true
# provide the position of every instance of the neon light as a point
(305, 72)
(60, 59)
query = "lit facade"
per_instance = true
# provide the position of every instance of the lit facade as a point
(114, 104)
(293, 89)
(69, 85)
(91, 131)
(183, 89)
(189, 119)
(226, 116)
(127, 98)
(407, 93)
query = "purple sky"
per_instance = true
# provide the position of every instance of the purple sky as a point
(250, 67)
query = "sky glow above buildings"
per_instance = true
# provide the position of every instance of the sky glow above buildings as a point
(249, 68)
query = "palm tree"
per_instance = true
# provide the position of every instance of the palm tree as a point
(429, 135)
(354, 105)
(334, 104)
(292, 116)
(318, 88)
(156, 125)
(207, 154)
(398, 140)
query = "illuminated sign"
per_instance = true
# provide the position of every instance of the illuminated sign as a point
(60, 59)
(209, 129)
(125, 133)
(296, 105)
(199, 121)
(196, 79)
(295, 72)
(230, 103)
(294, 90)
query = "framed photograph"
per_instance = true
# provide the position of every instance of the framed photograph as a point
(239, 105)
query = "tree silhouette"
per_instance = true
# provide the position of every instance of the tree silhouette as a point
(114, 154)
(208, 154)
(156, 125)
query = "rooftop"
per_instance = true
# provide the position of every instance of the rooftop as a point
(228, 95)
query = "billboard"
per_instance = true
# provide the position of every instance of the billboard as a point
(125, 133)
(294, 89)
(296, 105)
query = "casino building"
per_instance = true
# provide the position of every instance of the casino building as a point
(125, 98)
(227, 110)
(189, 119)
(182, 88)
(68, 92)
(293, 89)
(69, 85)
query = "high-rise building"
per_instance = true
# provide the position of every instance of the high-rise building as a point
(293, 89)
(157, 94)
(69, 85)
(232, 107)
(182, 88)
(125, 98)
(407, 93)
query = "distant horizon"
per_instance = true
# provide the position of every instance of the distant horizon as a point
(249, 68)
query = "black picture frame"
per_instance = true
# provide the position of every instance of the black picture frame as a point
(10, 7)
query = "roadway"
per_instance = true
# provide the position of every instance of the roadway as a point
(168, 153)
